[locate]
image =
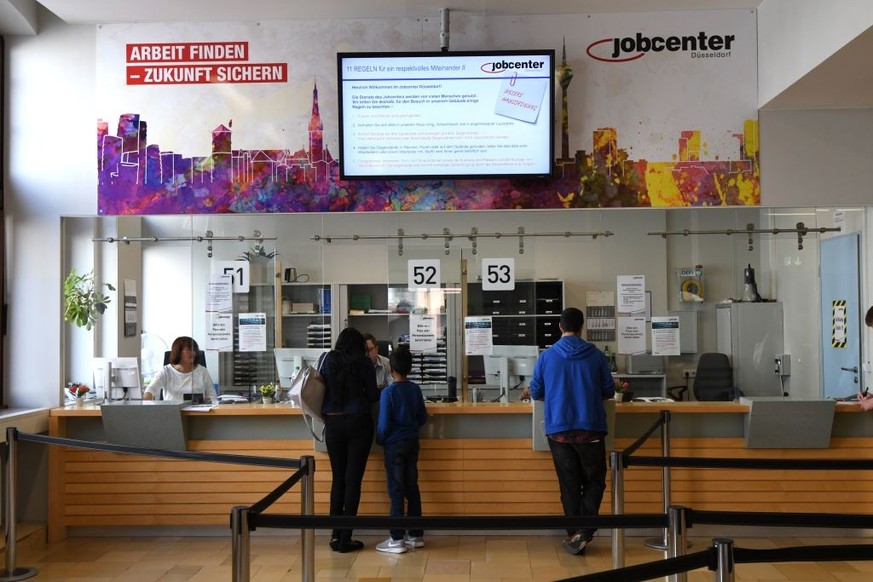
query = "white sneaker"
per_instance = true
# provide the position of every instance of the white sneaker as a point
(413, 541)
(392, 546)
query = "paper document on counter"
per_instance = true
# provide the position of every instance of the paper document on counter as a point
(199, 407)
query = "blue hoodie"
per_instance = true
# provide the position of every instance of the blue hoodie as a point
(401, 412)
(573, 379)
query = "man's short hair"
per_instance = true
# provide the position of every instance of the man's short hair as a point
(869, 318)
(572, 320)
(401, 360)
(369, 337)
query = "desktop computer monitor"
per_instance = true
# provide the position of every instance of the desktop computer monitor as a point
(509, 368)
(290, 360)
(117, 378)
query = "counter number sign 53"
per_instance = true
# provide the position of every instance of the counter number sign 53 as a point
(498, 274)
(423, 273)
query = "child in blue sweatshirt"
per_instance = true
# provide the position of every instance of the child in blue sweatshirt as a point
(401, 414)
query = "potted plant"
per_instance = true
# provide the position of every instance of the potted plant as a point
(78, 391)
(267, 391)
(82, 302)
(259, 261)
(621, 390)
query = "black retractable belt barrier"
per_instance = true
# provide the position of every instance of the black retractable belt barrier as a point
(649, 571)
(854, 553)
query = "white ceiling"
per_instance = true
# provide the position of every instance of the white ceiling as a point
(827, 86)
(94, 11)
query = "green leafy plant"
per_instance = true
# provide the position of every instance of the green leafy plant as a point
(82, 302)
(267, 390)
(258, 253)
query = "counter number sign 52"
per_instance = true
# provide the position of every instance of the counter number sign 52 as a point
(423, 273)
(498, 274)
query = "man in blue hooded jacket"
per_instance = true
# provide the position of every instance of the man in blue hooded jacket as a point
(573, 379)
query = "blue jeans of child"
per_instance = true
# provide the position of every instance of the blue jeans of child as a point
(401, 470)
(581, 469)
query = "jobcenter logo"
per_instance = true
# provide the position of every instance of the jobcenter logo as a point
(501, 66)
(631, 48)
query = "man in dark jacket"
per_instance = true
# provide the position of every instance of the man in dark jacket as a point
(573, 379)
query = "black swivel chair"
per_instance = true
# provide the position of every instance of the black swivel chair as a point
(714, 379)
(199, 359)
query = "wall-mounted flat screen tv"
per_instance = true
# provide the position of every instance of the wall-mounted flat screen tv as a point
(446, 115)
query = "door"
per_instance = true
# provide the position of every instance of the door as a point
(840, 316)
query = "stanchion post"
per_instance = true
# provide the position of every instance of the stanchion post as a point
(676, 536)
(239, 523)
(617, 469)
(724, 554)
(10, 459)
(307, 507)
(663, 543)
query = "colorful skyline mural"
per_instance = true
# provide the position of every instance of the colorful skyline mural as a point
(138, 178)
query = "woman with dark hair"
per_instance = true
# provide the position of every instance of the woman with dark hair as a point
(350, 390)
(182, 375)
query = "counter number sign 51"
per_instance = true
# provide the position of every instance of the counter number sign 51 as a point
(498, 274)
(239, 273)
(423, 273)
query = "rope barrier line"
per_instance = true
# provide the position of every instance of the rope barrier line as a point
(772, 519)
(639, 442)
(649, 570)
(190, 455)
(854, 553)
(278, 492)
(481, 522)
(799, 464)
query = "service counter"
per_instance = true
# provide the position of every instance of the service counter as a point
(476, 459)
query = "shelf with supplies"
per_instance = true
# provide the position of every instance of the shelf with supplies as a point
(306, 315)
(247, 368)
(384, 310)
(528, 315)
(387, 311)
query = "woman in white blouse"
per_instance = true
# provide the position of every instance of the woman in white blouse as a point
(182, 375)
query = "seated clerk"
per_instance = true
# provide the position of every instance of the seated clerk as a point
(182, 375)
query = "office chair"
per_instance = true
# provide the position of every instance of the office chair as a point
(714, 379)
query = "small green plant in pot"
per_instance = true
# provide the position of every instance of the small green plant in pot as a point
(267, 392)
(82, 302)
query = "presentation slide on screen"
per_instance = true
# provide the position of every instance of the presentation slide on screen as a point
(446, 115)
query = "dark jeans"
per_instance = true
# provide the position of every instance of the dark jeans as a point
(348, 438)
(581, 469)
(401, 470)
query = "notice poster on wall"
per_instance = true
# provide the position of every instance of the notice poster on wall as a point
(665, 336)
(219, 293)
(253, 332)
(631, 294)
(422, 333)
(631, 335)
(219, 332)
(130, 318)
(478, 339)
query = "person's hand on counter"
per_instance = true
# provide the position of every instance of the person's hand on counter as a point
(865, 400)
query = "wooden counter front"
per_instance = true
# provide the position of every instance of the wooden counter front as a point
(476, 472)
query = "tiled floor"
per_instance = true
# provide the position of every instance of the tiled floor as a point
(445, 558)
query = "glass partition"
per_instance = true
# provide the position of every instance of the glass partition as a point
(309, 276)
